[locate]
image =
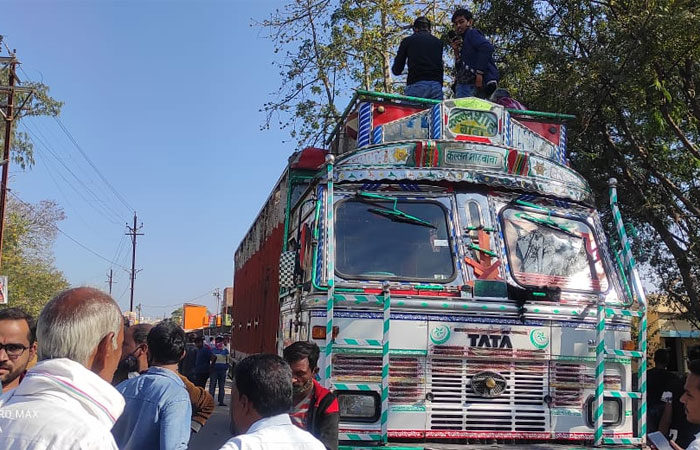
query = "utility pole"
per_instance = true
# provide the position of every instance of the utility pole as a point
(133, 232)
(139, 308)
(110, 281)
(217, 294)
(9, 115)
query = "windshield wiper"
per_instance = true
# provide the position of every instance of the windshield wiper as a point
(400, 216)
(395, 213)
(549, 223)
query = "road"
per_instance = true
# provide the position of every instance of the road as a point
(215, 433)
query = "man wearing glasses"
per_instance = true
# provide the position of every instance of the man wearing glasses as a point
(17, 346)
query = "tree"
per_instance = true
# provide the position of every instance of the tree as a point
(328, 48)
(38, 103)
(30, 231)
(176, 316)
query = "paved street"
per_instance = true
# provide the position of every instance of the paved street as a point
(215, 433)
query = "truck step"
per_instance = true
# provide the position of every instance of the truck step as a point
(377, 387)
(623, 441)
(623, 394)
(355, 437)
(623, 312)
(357, 343)
(628, 353)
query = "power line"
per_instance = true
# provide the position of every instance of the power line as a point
(106, 212)
(28, 205)
(102, 177)
(70, 136)
(180, 303)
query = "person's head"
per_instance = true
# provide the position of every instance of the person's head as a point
(199, 342)
(421, 24)
(135, 348)
(18, 345)
(220, 342)
(302, 357)
(691, 396)
(84, 325)
(262, 388)
(462, 20)
(661, 358)
(166, 344)
(693, 353)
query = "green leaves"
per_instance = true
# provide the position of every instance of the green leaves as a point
(27, 260)
(39, 103)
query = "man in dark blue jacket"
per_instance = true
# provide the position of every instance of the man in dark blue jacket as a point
(424, 54)
(477, 74)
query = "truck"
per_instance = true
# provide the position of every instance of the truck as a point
(194, 317)
(455, 273)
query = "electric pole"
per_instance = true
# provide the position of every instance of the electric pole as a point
(133, 232)
(139, 308)
(9, 115)
(217, 294)
(110, 281)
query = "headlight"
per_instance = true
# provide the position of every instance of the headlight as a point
(359, 406)
(612, 412)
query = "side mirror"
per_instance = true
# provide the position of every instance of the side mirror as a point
(287, 269)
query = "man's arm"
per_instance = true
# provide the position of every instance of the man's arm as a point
(327, 425)
(202, 404)
(175, 419)
(400, 60)
(483, 50)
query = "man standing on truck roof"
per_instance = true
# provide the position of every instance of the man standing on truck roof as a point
(477, 74)
(424, 53)
(315, 407)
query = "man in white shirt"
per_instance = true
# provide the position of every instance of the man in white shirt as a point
(65, 401)
(691, 401)
(261, 399)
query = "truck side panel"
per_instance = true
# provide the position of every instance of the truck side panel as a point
(256, 278)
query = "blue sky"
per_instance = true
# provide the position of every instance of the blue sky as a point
(164, 98)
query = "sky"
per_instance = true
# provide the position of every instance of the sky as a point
(163, 97)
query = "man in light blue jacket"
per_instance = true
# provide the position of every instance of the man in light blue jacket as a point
(158, 409)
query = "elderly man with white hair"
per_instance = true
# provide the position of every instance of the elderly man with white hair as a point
(66, 400)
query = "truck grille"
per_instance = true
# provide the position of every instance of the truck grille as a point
(569, 380)
(406, 374)
(456, 407)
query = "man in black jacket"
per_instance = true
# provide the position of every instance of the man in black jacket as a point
(315, 407)
(424, 54)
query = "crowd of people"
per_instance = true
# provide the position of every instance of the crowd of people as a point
(475, 71)
(97, 384)
(79, 378)
(673, 401)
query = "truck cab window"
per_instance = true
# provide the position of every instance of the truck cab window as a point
(546, 250)
(406, 240)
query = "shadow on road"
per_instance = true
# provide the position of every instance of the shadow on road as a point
(216, 432)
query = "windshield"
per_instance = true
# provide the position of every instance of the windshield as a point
(546, 250)
(392, 239)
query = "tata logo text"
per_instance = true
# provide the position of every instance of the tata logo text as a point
(490, 340)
